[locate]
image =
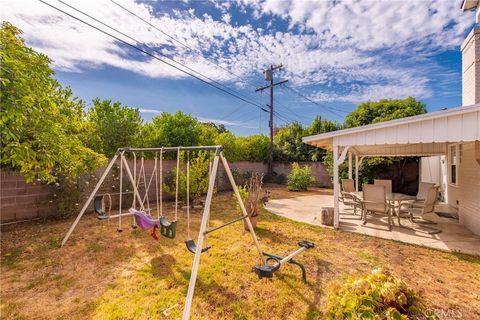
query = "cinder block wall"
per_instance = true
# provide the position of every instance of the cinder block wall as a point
(20, 200)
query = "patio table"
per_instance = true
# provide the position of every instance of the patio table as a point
(394, 198)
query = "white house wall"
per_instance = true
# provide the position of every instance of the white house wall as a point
(467, 193)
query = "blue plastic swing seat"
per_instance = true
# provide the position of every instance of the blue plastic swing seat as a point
(192, 247)
(98, 207)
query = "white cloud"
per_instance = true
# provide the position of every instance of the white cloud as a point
(154, 111)
(368, 48)
(227, 122)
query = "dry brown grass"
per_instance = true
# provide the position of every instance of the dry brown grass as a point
(102, 274)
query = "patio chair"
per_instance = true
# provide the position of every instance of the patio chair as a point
(423, 188)
(416, 210)
(346, 196)
(386, 183)
(375, 201)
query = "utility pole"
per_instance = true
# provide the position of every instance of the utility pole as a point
(269, 77)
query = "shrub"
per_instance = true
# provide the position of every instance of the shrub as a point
(199, 178)
(299, 179)
(378, 295)
(243, 194)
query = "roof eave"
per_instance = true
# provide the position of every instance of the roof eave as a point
(468, 5)
(323, 138)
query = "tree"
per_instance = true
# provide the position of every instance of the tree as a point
(290, 147)
(114, 126)
(172, 130)
(209, 133)
(253, 148)
(374, 112)
(42, 125)
(230, 147)
(384, 110)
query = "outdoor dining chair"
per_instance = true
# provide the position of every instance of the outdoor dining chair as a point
(375, 201)
(347, 196)
(386, 183)
(417, 209)
(423, 188)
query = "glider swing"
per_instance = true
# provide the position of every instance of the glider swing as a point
(168, 228)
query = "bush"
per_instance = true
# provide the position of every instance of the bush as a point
(378, 295)
(299, 179)
(199, 178)
(243, 194)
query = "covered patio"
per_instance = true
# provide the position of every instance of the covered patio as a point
(453, 133)
(430, 134)
(454, 236)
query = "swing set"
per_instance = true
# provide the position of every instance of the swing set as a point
(141, 211)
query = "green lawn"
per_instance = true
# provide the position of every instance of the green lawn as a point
(102, 274)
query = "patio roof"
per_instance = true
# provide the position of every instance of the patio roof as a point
(425, 134)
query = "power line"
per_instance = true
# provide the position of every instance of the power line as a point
(282, 119)
(150, 54)
(291, 111)
(185, 45)
(199, 53)
(331, 110)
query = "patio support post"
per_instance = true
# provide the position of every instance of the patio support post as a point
(336, 188)
(356, 172)
(337, 161)
(350, 165)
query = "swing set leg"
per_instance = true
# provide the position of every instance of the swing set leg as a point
(201, 234)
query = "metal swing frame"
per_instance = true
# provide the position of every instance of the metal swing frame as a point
(206, 210)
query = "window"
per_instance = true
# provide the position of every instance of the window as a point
(453, 163)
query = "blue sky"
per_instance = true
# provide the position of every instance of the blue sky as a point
(337, 53)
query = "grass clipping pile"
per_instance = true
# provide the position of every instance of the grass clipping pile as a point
(377, 295)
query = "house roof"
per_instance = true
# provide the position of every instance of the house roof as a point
(425, 134)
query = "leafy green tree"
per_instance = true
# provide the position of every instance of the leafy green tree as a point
(384, 110)
(374, 112)
(172, 130)
(42, 124)
(253, 148)
(209, 133)
(289, 145)
(230, 147)
(114, 126)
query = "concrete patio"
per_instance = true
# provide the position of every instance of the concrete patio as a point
(454, 237)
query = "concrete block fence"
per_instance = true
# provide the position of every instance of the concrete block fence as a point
(22, 201)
